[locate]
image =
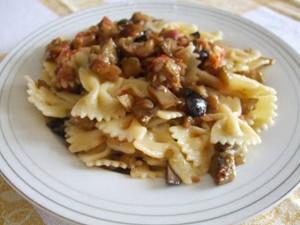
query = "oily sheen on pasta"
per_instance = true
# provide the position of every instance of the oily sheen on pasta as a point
(151, 98)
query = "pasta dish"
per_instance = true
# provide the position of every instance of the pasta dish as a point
(151, 98)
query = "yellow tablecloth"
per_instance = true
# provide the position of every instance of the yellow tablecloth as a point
(14, 210)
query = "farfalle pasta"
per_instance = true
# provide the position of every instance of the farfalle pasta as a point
(151, 147)
(192, 141)
(98, 103)
(83, 140)
(143, 171)
(151, 98)
(50, 102)
(94, 154)
(125, 128)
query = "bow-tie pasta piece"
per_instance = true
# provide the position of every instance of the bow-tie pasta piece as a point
(176, 160)
(125, 128)
(98, 103)
(192, 141)
(243, 56)
(188, 56)
(264, 113)
(183, 28)
(181, 166)
(233, 103)
(238, 60)
(245, 61)
(212, 37)
(162, 133)
(90, 157)
(265, 109)
(157, 142)
(156, 122)
(50, 103)
(259, 63)
(190, 59)
(156, 26)
(188, 29)
(99, 156)
(154, 161)
(149, 146)
(168, 114)
(246, 87)
(195, 75)
(83, 140)
(243, 133)
(109, 163)
(232, 130)
(139, 87)
(143, 171)
(121, 146)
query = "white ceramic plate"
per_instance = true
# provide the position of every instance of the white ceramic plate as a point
(38, 164)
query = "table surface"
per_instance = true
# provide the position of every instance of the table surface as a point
(18, 18)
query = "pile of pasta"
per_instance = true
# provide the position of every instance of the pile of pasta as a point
(92, 112)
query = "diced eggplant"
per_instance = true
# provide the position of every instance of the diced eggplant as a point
(55, 48)
(213, 103)
(196, 35)
(222, 167)
(84, 39)
(132, 30)
(57, 126)
(143, 110)
(224, 76)
(67, 77)
(107, 29)
(224, 147)
(123, 22)
(41, 83)
(171, 177)
(238, 152)
(105, 70)
(139, 17)
(122, 171)
(172, 71)
(131, 67)
(139, 49)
